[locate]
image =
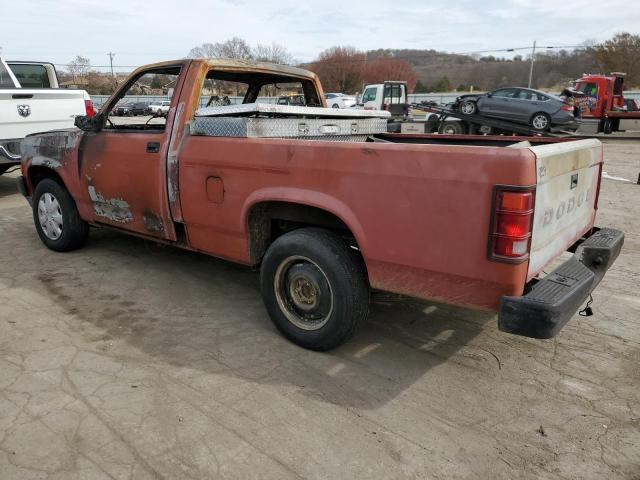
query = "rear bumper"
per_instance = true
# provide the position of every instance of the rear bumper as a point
(7, 157)
(551, 302)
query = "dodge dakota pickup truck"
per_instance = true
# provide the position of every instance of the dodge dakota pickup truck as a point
(327, 204)
(31, 101)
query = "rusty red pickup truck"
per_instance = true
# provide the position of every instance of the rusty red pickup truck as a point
(325, 202)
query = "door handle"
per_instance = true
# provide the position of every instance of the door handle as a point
(153, 147)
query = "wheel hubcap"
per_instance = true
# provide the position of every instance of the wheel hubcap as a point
(50, 216)
(540, 122)
(303, 293)
(467, 108)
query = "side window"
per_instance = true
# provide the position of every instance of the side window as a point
(505, 93)
(134, 109)
(541, 97)
(527, 95)
(369, 95)
(590, 89)
(31, 76)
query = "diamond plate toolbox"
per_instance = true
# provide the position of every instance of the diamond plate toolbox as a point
(354, 129)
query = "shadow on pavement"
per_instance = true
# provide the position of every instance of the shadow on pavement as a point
(8, 185)
(195, 312)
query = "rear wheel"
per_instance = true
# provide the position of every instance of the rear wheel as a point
(541, 121)
(452, 128)
(56, 217)
(315, 288)
(335, 105)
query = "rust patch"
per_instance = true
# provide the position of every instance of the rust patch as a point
(50, 149)
(114, 209)
(152, 222)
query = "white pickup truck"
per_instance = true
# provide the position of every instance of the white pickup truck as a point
(32, 102)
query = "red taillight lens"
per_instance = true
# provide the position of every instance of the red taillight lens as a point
(88, 106)
(567, 108)
(512, 224)
(514, 201)
(385, 106)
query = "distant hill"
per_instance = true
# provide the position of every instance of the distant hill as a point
(551, 70)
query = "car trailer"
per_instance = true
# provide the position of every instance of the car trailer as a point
(445, 120)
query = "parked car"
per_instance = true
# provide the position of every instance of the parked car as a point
(159, 107)
(130, 109)
(295, 100)
(461, 221)
(339, 100)
(31, 101)
(538, 109)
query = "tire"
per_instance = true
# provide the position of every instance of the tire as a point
(540, 122)
(56, 218)
(315, 288)
(452, 128)
(335, 105)
(468, 107)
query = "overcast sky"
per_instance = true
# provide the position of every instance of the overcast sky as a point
(139, 31)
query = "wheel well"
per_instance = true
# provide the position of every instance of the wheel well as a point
(38, 173)
(268, 220)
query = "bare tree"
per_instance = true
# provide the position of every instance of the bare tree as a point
(79, 67)
(274, 53)
(232, 48)
(622, 54)
(340, 69)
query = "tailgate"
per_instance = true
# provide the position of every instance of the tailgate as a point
(568, 175)
(38, 110)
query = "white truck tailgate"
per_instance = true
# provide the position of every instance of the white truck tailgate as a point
(24, 111)
(568, 175)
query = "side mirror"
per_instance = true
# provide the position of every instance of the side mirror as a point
(489, 95)
(89, 124)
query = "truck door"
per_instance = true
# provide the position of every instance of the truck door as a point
(371, 98)
(123, 168)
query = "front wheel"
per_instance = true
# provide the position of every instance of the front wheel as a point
(335, 105)
(468, 107)
(314, 287)
(56, 217)
(541, 122)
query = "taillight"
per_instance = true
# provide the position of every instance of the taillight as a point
(88, 106)
(385, 106)
(511, 224)
(567, 108)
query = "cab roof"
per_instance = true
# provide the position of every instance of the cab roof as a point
(241, 65)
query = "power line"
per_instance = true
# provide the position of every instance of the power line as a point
(371, 55)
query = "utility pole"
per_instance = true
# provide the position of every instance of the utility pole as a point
(111, 55)
(533, 59)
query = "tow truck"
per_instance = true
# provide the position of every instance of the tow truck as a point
(601, 101)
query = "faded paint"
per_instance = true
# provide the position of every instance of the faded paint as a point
(563, 214)
(420, 212)
(114, 209)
